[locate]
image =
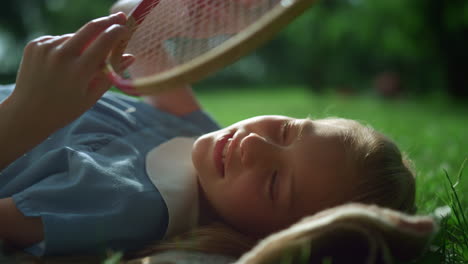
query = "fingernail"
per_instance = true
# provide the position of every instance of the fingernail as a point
(126, 62)
(113, 27)
(127, 59)
(117, 14)
(120, 15)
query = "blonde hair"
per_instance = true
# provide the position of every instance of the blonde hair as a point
(215, 238)
(383, 178)
(384, 175)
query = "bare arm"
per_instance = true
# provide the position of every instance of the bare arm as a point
(178, 101)
(20, 130)
(17, 229)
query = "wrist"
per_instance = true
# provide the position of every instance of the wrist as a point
(20, 131)
(32, 112)
(14, 138)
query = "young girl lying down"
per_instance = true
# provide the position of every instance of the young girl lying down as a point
(83, 170)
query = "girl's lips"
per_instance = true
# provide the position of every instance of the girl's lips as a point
(218, 153)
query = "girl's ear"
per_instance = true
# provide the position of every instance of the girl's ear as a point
(123, 6)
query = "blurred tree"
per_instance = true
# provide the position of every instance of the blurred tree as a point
(449, 20)
(422, 40)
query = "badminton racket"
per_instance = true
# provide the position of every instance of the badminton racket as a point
(177, 42)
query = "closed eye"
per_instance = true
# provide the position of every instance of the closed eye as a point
(273, 185)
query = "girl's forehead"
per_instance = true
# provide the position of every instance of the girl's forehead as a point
(260, 120)
(267, 118)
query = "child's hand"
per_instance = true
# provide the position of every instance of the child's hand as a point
(61, 77)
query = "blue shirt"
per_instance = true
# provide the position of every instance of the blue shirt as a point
(88, 181)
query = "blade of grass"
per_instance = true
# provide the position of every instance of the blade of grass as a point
(460, 172)
(455, 238)
(114, 258)
(457, 208)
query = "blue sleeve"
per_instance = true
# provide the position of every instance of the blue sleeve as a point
(125, 226)
(88, 202)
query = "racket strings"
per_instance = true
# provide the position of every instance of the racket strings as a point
(147, 11)
(174, 32)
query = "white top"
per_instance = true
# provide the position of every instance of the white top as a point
(170, 169)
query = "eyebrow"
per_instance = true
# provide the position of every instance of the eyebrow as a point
(301, 127)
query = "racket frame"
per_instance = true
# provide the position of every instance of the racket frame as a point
(230, 51)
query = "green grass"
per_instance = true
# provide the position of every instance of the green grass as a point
(431, 130)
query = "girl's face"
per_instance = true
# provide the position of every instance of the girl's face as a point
(264, 173)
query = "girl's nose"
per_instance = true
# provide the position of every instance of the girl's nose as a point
(257, 150)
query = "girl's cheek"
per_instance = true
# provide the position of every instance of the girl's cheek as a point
(249, 187)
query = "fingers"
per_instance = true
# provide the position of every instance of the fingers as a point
(100, 83)
(80, 55)
(100, 48)
(37, 42)
(90, 31)
(125, 62)
(42, 39)
(43, 45)
(55, 41)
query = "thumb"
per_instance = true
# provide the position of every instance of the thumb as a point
(97, 87)
(101, 84)
(126, 61)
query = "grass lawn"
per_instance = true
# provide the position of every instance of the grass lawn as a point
(433, 132)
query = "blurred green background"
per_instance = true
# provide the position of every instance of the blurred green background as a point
(388, 47)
